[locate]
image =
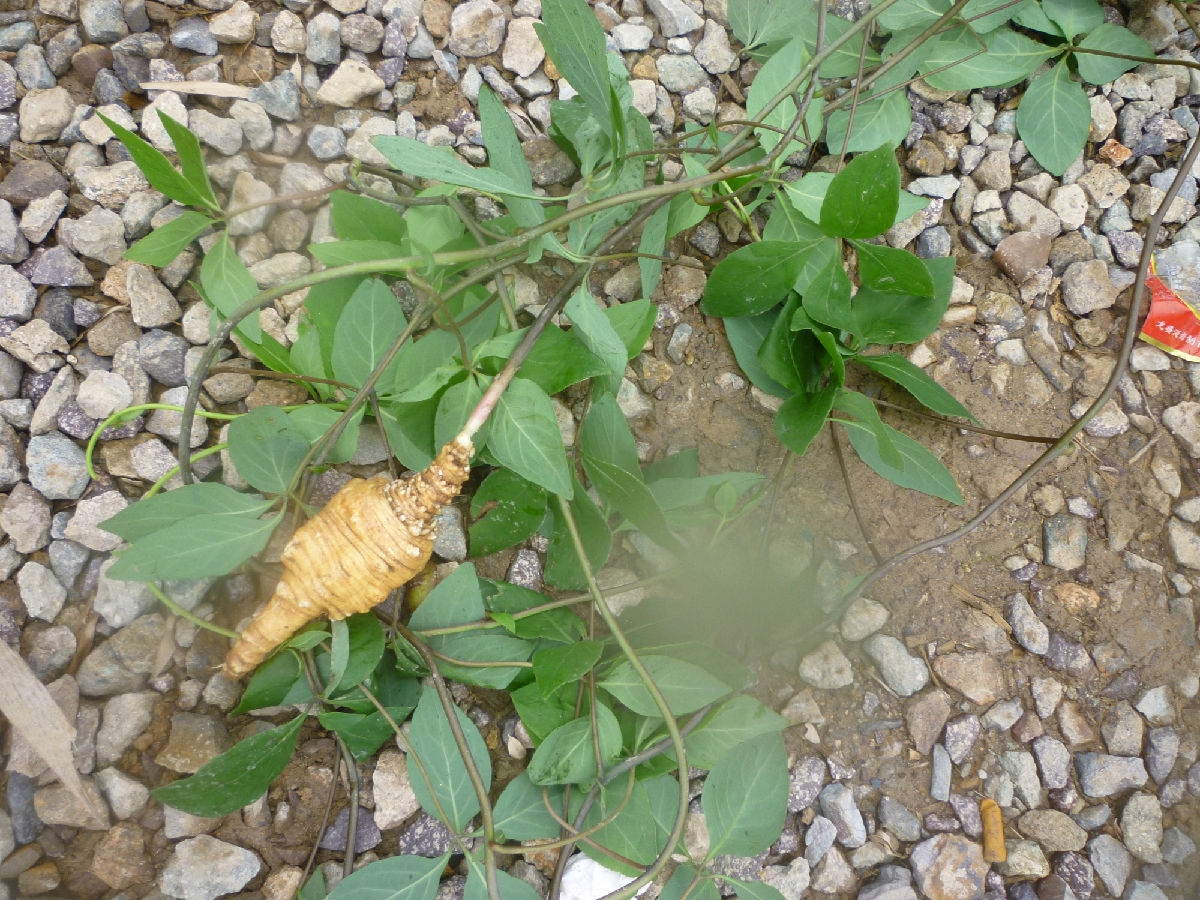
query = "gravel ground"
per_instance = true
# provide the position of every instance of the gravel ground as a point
(1067, 693)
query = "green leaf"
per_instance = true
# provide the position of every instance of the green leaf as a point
(653, 242)
(342, 253)
(363, 648)
(746, 335)
(454, 408)
(508, 509)
(162, 245)
(554, 667)
(1073, 16)
(755, 890)
(526, 439)
(575, 42)
(681, 878)
(1054, 119)
(151, 515)
(356, 217)
(736, 720)
(270, 683)
(684, 464)
(557, 624)
(266, 448)
(1031, 16)
(1010, 57)
(781, 354)
(417, 158)
(916, 382)
(891, 271)
(863, 410)
(363, 733)
(191, 159)
(433, 228)
(985, 17)
(807, 194)
(775, 75)
(482, 646)
(745, 797)
(754, 278)
(884, 121)
(520, 813)
(862, 199)
(605, 435)
(912, 14)
(228, 284)
(827, 299)
(366, 330)
(685, 686)
(314, 888)
(756, 22)
(434, 350)
(917, 468)
(541, 715)
(314, 420)
(409, 429)
(505, 153)
(562, 565)
(158, 170)
(238, 776)
(636, 829)
(567, 755)
(433, 743)
(509, 887)
(557, 361)
(802, 417)
(393, 878)
(633, 322)
(201, 547)
(902, 318)
(597, 334)
(1114, 39)
(455, 601)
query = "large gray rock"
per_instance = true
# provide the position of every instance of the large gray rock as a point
(476, 28)
(1101, 775)
(904, 673)
(204, 868)
(949, 866)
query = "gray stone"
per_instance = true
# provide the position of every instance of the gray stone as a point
(1101, 775)
(949, 866)
(426, 836)
(103, 393)
(280, 96)
(1177, 847)
(100, 235)
(1019, 765)
(1142, 827)
(395, 801)
(898, 819)
(837, 804)
(808, 776)
(1157, 705)
(1183, 421)
(1052, 829)
(1111, 861)
(41, 592)
(103, 21)
(59, 267)
(126, 716)
(26, 519)
(680, 74)
(1123, 731)
(961, 734)
(904, 673)
(1066, 655)
(1029, 630)
(126, 796)
(863, 617)
(122, 663)
(193, 34)
(674, 17)
(523, 50)
(450, 540)
(119, 602)
(366, 832)
(57, 466)
(1064, 540)
(204, 868)
(1086, 287)
(827, 667)
(818, 839)
(1053, 760)
(476, 28)
(194, 741)
(44, 113)
(326, 142)
(84, 527)
(1025, 859)
(939, 785)
(1162, 751)
(17, 295)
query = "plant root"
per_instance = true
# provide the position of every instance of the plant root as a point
(371, 538)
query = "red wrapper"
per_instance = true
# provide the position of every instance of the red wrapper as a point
(1171, 324)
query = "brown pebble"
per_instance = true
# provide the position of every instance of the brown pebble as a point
(89, 60)
(1020, 255)
(1028, 727)
(1114, 152)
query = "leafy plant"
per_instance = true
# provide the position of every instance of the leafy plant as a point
(615, 726)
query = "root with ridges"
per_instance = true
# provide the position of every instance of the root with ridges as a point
(371, 538)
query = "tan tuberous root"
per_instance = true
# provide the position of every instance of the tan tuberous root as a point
(371, 538)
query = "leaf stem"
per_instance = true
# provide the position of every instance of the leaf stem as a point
(188, 614)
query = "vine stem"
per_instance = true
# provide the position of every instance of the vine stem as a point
(676, 738)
